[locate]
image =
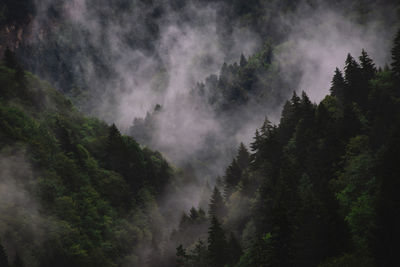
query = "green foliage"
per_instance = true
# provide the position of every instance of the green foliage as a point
(327, 178)
(95, 185)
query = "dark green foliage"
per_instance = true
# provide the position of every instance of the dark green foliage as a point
(319, 189)
(243, 157)
(237, 173)
(326, 195)
(338, 88)
(97, 187)
(367, 66)
(232, 178)
(387, 220)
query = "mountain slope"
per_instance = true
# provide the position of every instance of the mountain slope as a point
(91, 191)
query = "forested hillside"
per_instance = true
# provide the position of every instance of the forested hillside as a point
(318, 189)
(73, 190)
(199, 133)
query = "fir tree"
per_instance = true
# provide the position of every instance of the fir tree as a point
(396, 56)
(353, 78)
(338, 87)
(243, 157)
(367, 66)
(217, 206)
(232, 178)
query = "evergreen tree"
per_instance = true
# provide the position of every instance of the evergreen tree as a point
(217, 206)
(114, 148)
(216, 244)
(353, 78)
(367, 66)
(338, 87)
(243, 157)
(232, 178)
(396, 56)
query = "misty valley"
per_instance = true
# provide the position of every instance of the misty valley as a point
(197, 133)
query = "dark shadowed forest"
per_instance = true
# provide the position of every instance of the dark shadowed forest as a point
(199, 133)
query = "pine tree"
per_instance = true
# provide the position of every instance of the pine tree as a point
(216, 244)
(396, 56)
(367, 66)
(353, 78)
(243, 157)
(3, 257)
(115, 149)
(338, 86)
(217, 206)
(232, 178)
(368, 72)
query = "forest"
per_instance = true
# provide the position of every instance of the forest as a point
(199, 133)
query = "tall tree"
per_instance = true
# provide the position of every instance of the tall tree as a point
(338, 87)
(353, 78)
(243, 157)
(396, 56)
(368, 68)
(217, 206)
(232, 178)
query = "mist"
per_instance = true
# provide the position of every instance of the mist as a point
(22, 225)
(321, 38)
(157, 82)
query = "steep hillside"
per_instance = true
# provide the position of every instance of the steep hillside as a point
(74, 191)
